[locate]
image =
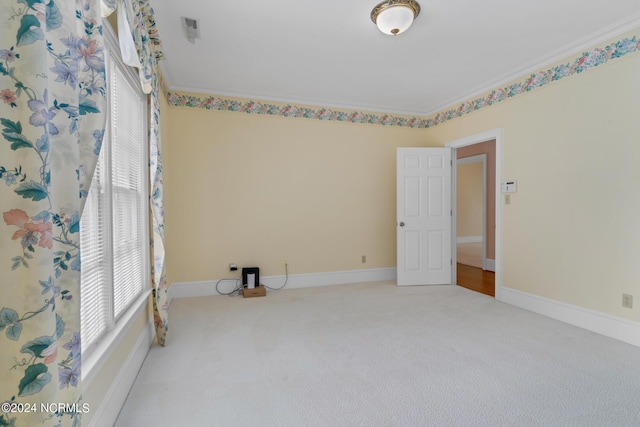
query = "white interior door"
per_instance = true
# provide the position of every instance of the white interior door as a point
(424, 216)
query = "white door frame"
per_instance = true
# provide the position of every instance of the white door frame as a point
(463, 142)
(454, 205)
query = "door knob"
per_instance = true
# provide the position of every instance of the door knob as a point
(401, 224)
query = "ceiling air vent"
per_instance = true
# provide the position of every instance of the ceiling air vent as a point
(191, 28)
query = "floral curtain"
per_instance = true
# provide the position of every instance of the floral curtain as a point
(52, 116)
(158, 269)
(136, 16)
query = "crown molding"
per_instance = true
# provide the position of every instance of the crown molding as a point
(586, 43)
(523, 80)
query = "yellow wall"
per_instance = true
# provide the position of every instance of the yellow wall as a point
(259, 190)
(570, 232)
(469, 200)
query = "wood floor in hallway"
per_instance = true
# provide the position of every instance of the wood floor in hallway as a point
(477, 279)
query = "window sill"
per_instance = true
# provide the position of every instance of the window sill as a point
(92, 362)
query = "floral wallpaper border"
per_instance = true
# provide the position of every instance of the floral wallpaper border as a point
(583, 62)
(257, 107)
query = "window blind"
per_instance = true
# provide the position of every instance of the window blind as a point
(114, 224)
(128, 181)
(95, 274)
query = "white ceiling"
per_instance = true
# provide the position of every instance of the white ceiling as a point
(329, 53)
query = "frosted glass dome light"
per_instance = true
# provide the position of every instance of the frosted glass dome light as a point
(395, 16)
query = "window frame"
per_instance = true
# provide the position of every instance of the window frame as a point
(102, 348)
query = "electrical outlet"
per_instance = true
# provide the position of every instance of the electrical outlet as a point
(233, 266)
(364, 259)
(627, 301)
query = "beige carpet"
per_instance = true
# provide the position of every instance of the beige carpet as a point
(379, 355)
(470, 254)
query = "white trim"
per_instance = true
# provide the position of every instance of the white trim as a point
(491, 265)
(605, 324)
(295, 281)
(332, 278)
(493, 134)
(204, 288)
(472, 159)
(586, 43)
(468, 239)
(94, 360)
(110, 406)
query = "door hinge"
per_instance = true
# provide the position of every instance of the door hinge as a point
(451, 212)
(451, 261)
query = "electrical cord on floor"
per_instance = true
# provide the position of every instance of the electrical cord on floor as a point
(237, 290)
(286, 279)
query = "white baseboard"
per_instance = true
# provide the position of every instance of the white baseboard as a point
(491, 265)
(110, 407)
(204, 288)
(601, 323)
(208, 288)
(468, 239)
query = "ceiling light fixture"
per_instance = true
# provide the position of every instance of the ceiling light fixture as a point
(395, 16)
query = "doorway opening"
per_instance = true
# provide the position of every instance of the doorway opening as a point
(471, 202)
(477, 212)
(473, 215)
